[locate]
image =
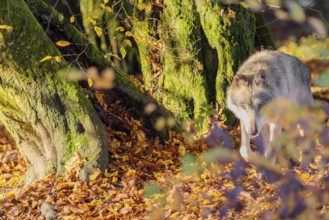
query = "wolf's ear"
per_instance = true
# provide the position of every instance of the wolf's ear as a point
(260, 78)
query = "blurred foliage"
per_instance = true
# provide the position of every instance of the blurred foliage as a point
(307, 48)
(313, 51)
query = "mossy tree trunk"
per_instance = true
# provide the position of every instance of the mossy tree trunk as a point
(190, 50)
(48, 117)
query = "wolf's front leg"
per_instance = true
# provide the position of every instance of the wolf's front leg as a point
(274, 131)
(245, 150)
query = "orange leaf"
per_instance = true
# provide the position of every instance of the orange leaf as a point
(63, 43)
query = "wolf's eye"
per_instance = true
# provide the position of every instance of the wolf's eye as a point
(243, 106)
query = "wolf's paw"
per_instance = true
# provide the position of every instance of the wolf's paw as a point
(246, 154)
(270, 155)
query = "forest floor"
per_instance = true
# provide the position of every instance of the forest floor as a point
(184, 178)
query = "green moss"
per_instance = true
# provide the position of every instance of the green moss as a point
(36, 105)
(26, 56)
(231, 36)
(203, 46)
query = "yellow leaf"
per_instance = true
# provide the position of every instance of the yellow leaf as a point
(92, 21)
(11, 195)
(123, 52)
(109, 9)
(129, 34)
(105, 1)
(72, 19)
(6, 27)
(98, 31)
(102, 5)
(174, 215)
(128, 42)
(90, 82)
(58, 59)
(120, 29)
(46, 58)
(63, 43)
(94, 175)
(95, 203)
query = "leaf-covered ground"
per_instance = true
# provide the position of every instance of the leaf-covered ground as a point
(145, 180)
(183, 178)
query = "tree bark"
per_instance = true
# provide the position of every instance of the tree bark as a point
(84, 54)
(48, 117)
(190, 50)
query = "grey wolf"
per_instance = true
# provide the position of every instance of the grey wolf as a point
(262, 78)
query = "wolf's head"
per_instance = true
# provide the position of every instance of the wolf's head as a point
(246, 96)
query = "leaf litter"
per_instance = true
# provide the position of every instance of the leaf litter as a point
(145, 180)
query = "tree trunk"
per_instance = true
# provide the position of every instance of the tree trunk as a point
(189, 52)
(48, 117)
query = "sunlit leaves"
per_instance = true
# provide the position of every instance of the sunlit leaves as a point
(107, 8)
(128, 42)
(98, 31)
(92, 21)
(123, 52)
(6, 27)
(63, 43)
(72, 19)
(129, 34)
(144, 180)
(46, 58)
(120, 28)
(90, 82)
(58, 59)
